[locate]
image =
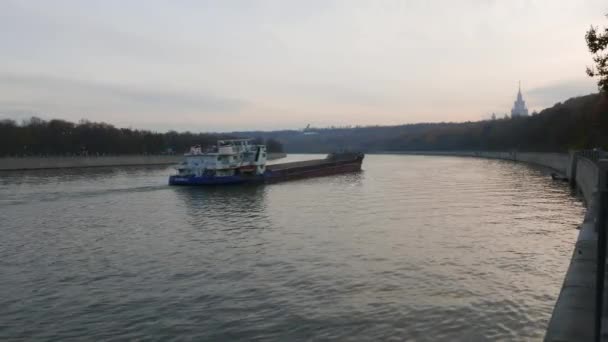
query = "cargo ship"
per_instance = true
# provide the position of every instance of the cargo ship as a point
(238, 161)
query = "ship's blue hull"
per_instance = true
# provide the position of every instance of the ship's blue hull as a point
(206, 180)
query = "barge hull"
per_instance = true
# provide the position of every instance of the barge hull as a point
(193, 180)
(316, 168)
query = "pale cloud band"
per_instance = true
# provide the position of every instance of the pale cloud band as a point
(224, 65)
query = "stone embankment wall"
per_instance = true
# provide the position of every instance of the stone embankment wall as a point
(33, 163)
(573, 314)
(586, 178)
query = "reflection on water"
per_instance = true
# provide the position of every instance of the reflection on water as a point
(412, 248)
(46, 176)
(231, 198)
(240, 205)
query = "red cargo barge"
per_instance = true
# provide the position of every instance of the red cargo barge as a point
(335, 163)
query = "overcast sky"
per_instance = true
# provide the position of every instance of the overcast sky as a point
(235, 65)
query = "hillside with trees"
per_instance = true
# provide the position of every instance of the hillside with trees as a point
(577, 123)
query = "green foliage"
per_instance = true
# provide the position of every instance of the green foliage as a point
(597, 43)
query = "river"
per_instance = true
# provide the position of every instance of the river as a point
(411, 248)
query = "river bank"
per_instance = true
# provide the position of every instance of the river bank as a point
(37, 163)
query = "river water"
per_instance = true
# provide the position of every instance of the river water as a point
(412, 248)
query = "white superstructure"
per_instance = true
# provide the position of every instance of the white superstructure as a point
(228, 158)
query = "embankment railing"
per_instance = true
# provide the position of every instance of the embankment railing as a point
(580, 312)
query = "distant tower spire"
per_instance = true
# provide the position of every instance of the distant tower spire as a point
(519, 107)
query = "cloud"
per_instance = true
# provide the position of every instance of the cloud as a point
(44, 93)
(549, 94)
(278, 64)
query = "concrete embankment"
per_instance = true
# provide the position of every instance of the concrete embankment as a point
(573, 314)
(33, 163)
(574, 311)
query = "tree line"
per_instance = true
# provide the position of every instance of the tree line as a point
(37, 137)
(578, 123)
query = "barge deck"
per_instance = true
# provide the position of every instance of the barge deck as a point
(333, 164)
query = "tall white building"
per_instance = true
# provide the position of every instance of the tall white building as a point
(519, 106)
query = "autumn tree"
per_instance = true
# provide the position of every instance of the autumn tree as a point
(597, 41)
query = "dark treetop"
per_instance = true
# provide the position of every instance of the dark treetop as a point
(35, 137)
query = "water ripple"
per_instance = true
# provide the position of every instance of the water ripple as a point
(412, 248)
